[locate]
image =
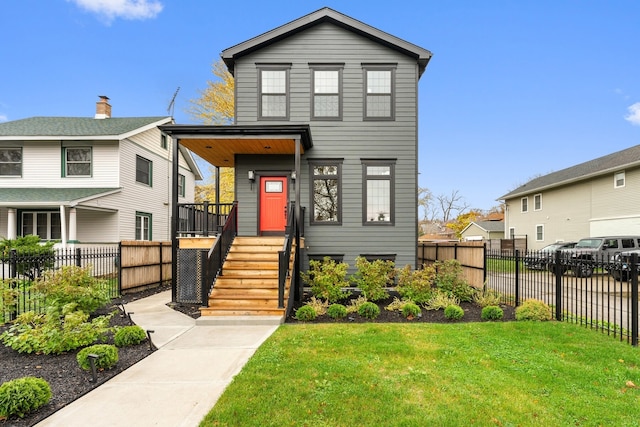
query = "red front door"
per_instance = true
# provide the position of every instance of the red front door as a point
(273, 204)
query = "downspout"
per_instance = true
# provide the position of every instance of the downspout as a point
(174, 221)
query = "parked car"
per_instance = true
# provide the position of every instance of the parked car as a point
(593, 252)
(620, 265)
(543, 258)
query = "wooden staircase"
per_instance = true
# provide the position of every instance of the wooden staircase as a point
(249, 284)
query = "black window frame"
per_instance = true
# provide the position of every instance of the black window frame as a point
(391, 68)
(149, 172)
(4, 163)
(286, 68)
(314, 95)
(312, 178)
(391, 163)
(35, 217)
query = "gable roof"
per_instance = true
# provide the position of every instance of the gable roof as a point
(43, 128)
(326, 15)
(488, 226)
(610, 163)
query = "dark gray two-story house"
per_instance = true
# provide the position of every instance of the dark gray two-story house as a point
(325, 151)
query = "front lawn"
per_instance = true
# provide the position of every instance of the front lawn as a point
(484, 374)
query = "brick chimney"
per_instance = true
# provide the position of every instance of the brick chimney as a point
(103, 109)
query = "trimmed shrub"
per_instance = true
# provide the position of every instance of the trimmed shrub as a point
(373, 277)
(337, 311)
(449, 279)
(107, 356)
(454, 312)
(487, 297)
(354, 304)
(411, 310)
(492, 312)
(23, 395)
(416, 285)
(369, 310)
(319, 306)
(327, 279)
(533, 309)
(129, 335)
(306, 313)
(440, 300)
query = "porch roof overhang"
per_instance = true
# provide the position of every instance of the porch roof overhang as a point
(218, 145)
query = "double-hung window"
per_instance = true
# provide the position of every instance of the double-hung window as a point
(524, 204)
(273, 92)
(10, 161)
(143, 170)
(378, 192)
(326, 188)
(537, 202)
(379, 99)
(143, 226)
(181, 185)
(539, 233)
(77, 161)
(326, 90)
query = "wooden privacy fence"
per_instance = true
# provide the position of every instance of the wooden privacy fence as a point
(144, 264)
(471, 255)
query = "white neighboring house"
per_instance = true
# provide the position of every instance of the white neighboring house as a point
(483, 230)
(90, 180)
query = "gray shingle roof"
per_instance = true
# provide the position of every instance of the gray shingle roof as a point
(606, 164)
(74, 126)
(49, 195)
(491, 226)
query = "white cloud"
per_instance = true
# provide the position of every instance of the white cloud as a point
(127, 9)
(634, 114)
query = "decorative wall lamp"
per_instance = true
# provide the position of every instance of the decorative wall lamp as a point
(252, 178)
(293, 175)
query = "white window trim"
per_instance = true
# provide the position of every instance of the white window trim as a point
(616, 177)
(521, 204)
(542, 226)
(512, 232)
(534, 202)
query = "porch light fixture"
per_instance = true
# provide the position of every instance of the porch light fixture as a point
(252, 178)
(293, 175)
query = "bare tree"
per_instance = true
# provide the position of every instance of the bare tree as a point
(450, 204)
(425, 201)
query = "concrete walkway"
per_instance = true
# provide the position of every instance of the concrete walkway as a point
(177, 384)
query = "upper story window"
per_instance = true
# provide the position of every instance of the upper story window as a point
(163, 141)
(77, 161)
(537, 202)
(618, 179)
(524, 204)
(378, 192)
(326, 186)
(143, 170)
(10, 161)
(181, 185)
(326, 90)
(274, 92)
(379, 82)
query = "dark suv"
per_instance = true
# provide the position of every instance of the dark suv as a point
(594, 252)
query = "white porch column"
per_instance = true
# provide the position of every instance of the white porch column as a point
(73, 238)
(12, 224)
(63, 227)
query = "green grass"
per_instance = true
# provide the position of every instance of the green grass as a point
(482, 374)
(503, 265)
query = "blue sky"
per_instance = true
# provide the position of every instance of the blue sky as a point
(515, 88)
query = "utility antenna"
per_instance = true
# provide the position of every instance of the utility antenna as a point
(173, 102)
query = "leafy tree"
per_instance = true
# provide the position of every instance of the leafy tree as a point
(215, 106)
(463, 220)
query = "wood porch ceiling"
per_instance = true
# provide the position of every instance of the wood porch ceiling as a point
(219, 145)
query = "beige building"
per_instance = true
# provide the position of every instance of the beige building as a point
(595, 198)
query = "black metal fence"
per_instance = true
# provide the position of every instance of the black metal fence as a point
(595, 291)
(20, 271)
(202, 219)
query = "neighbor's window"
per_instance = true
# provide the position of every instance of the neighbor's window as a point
(379, 92)
(181, 185)
(539, 233)
(618, 179)
(326, 89)
(10, 161)
(45, 225)
(537, 202)
(143, 170)
(326, 183)
(77, 161)
(143, 226)
(274, 88)
(524, 206)
(378, 192)
(512, 232)
(163, 141)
